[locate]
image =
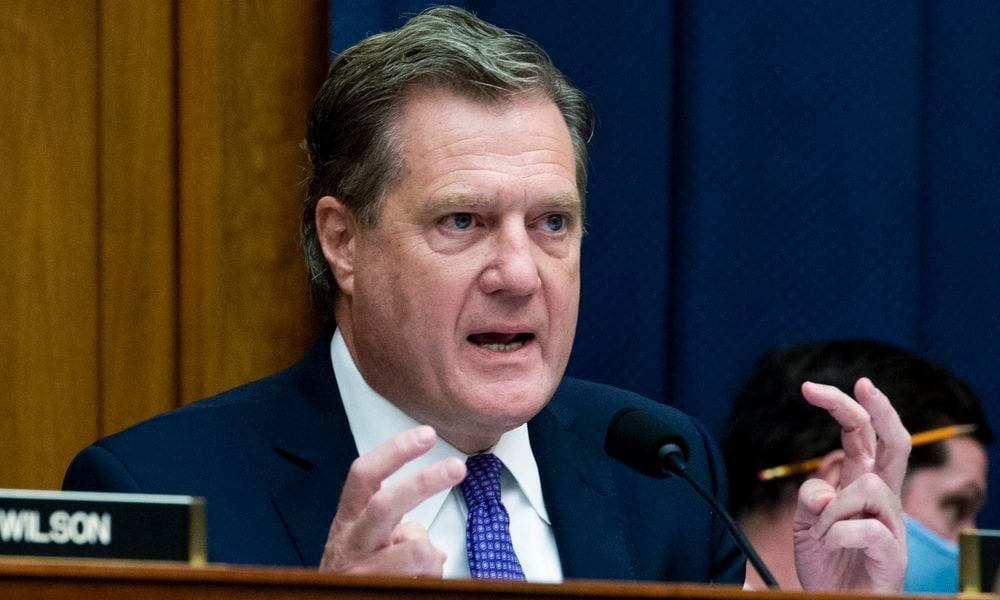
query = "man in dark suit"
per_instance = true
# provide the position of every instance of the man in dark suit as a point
(442, 232)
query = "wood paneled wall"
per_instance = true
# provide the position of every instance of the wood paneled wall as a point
(150, 185)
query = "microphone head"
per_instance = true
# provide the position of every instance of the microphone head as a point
(639, 439)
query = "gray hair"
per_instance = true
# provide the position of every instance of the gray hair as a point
(352, 143)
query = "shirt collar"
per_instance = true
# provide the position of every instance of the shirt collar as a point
(374, 419)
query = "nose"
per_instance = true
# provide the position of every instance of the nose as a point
(512, 268)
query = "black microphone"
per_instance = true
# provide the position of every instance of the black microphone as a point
(651, 447)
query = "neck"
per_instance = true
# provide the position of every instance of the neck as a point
(457, 433)
(770, 533)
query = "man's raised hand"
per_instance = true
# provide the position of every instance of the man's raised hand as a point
(852, 536)
(367, 535)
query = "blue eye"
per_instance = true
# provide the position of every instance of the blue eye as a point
(555, 223)
(461, 220)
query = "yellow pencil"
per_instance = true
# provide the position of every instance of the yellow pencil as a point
(941, 433)
(917, 439)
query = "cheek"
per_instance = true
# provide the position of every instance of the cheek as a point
(925, 505)
(918, 501)
(565, 292)
(432, 304)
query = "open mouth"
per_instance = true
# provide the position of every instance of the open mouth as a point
(501, 342)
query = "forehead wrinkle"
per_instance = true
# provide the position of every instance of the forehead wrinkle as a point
(523, 165)
(520, 158)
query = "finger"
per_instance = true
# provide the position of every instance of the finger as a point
(886, 557)
(869, 497)
(374, 526)
(893, 449)
(409, 558)
(857, 435)
(860, 534)
(408, 531)
(369, 470)
(814, 495)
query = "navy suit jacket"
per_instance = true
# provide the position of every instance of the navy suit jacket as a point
(270, 458)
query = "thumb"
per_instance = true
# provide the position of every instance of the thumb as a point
(814, 495)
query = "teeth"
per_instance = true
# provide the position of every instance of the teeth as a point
(502, 347)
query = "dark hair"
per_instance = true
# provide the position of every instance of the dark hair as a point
(353, 149)
(771, 424)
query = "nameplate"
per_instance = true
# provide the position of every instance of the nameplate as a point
(102, 525)
(979, 561)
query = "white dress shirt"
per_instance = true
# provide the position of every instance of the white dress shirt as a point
(373, 420)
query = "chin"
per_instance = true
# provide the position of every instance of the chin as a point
(514, 406)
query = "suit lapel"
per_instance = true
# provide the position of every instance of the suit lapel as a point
(313, 431)
(580, 498)
(308, 505)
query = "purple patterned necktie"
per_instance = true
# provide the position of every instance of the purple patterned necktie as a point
(487, 532)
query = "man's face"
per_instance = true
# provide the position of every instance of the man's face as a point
(947, 498)
(462, 304)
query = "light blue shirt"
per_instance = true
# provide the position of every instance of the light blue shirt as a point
(932, 565)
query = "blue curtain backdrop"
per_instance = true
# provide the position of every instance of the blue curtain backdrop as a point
(770, 172)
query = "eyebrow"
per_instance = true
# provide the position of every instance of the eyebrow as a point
(968, 491)
(464, 202)
(570, 202)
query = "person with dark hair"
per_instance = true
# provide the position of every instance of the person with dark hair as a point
(774, 441)
(442, 233)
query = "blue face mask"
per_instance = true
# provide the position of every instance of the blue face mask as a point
(933, 560)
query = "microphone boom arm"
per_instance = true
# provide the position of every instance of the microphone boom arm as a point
(651, 447)
(672, 460)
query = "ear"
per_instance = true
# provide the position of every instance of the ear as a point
(830, 467)
(336, 228)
